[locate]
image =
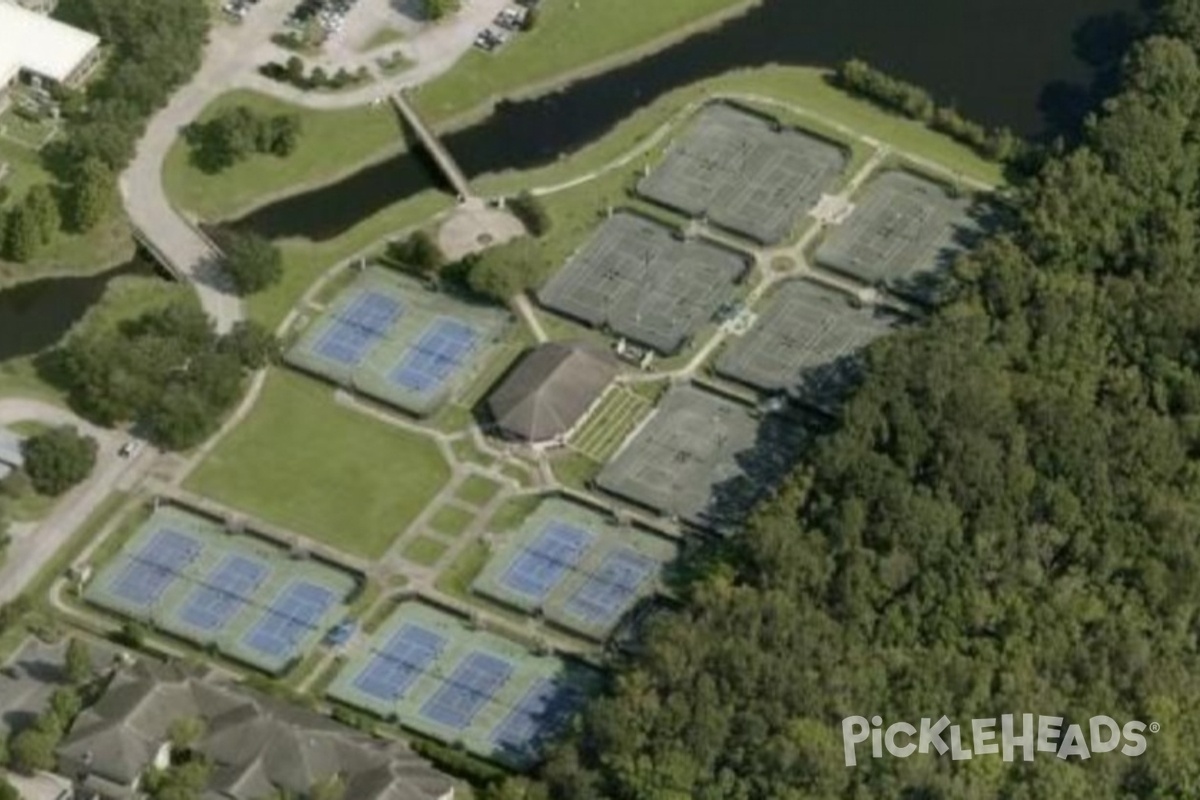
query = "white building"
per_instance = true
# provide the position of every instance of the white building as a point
(37, 48)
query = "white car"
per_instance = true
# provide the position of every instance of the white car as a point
(129, 449)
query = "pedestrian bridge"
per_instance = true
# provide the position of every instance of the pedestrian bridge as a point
(441, 156)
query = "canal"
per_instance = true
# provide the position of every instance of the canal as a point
(1035, 66)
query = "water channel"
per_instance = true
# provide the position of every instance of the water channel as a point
(1035, 66)
(1001, 62)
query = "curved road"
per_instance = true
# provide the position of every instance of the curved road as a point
(34, 545)
(231, 60)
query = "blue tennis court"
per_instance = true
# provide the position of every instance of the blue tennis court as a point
(539, 568)
(474, 682)
(608, 593)
(227, 589)
(401, 661)
(155, 567)
(444, 346)
(540, 714)
(352, 333)
(293, 615)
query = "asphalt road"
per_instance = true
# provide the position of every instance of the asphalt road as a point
(33, 546)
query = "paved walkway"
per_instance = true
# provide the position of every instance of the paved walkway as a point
(33, 546)
(231, 60)
(231, 50)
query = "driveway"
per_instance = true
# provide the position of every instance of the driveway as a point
(33, 546)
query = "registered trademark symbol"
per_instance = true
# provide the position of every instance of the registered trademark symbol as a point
(1155, 727)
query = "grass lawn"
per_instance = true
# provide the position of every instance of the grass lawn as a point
(302, 461)
(19, 378)
(574, 469)
(477, 490)
(570, 35)
(425, 551)
(451, 521)
(383, 36)
(465, 451)
(330, 141)
(510, 515)
(456, 579)
(518, 474)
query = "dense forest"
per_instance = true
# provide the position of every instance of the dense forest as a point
(1007, 519)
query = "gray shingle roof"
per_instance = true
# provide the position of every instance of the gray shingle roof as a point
(256, 743)
(552, 387)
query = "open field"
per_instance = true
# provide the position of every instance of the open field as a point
(570, 35)
(301, 461)
(330, 140)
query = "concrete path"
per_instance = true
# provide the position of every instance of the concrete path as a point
(231, 50)
(432, 52)
(34, 546)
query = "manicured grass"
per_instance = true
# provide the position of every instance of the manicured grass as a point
(569, 35)
(302, 461)
(451, 521)
(518, 474)
(510, 515)
(19, 378)
(465, 451)
(456, 579)
(331, 141)
(383, 36)
(477, 490)
(425, 551)
(574, 469)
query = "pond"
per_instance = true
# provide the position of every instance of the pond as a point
(1035, 66)
(35, 315)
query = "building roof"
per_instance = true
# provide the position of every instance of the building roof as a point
(255, 743)
(550, 390)
(39, 44)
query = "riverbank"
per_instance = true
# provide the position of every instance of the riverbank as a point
(331, 144)
(572, 41)
(591, 170)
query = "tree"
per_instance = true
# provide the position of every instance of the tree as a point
(65, 705)
(32, 750)
(225, 139)
(331, 788)
(531, 212)
(252, 261)
(78, 661)
(91, 196)
(22, 234)
(419, 255)
(505, 271)
(253, 345)
(1001, 515)
(295, 71)
(58, 459)
(280, 135)
(440, 9)
(41, 207)
(132, 634)
(8, 791)
(184, 732)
